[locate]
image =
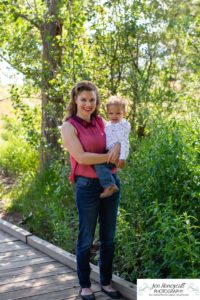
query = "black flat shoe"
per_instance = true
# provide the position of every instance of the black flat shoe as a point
(113, 295)
(88, 297)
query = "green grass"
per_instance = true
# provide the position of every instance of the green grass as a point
(17, 157)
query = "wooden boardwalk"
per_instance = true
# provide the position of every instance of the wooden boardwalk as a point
(26, 273)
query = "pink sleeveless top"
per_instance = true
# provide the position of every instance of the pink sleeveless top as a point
(92, 138)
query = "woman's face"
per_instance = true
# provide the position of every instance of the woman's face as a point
(86, 103)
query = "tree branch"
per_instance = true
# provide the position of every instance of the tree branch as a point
(15, 67)
(148, 66)
(28, 19)
(12, 65)
(134, 58)
(17, 11)
(29, 4)
(36, 7)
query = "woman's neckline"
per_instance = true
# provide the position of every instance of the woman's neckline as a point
(84, 122)
(82, 119)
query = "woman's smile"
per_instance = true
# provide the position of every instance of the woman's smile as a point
(86, 104)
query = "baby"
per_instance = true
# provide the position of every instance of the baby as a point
(117, 131)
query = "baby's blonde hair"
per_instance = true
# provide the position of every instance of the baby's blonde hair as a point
(118, 101)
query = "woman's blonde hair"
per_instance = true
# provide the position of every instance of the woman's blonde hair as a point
(81, 86)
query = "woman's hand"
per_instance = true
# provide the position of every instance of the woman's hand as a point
(113, 154)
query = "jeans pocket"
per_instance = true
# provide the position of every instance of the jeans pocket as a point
(82, 181)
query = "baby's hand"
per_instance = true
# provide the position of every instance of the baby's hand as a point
(121, 163)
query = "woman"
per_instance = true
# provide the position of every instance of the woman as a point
(83, 135)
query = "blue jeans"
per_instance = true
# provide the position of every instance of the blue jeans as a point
(104, 174)
(90, 209)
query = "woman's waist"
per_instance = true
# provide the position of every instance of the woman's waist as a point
(88, 181)
(88, 171)
(85, 171)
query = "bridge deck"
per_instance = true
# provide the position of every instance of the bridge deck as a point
(26, 273)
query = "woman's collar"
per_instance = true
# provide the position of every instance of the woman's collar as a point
(83, 122)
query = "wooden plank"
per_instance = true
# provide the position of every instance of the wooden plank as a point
(126, 288)
(14, 230)
(31, 283)
(27, 251)
(5, 237)
(70, 293)
(33, 275)
(65, 293)
(21, 257)
(45, 267)
(19, 264)
(53, 251)
(39, 290)
(10, 246)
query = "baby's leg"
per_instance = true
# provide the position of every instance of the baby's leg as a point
(106, 179)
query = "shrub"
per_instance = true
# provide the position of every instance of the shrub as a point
(158, 229)
(46, 203)
(17, 156)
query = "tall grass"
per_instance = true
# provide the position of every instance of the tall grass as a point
(17, 156)
(158, 230)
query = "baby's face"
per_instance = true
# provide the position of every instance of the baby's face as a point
(115, 113)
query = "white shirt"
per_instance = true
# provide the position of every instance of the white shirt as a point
(118, 133)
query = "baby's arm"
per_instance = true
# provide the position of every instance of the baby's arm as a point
(123, 135)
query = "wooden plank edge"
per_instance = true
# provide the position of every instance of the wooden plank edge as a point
(14, 230)
(53, 251)
(128, 289)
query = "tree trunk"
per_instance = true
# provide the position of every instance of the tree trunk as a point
(52, 101)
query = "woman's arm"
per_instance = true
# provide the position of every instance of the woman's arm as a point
(73, 145)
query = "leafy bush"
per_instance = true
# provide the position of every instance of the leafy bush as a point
(158, 228)
(45, 200)
(17, 156)
(28, 116)
(46, 203)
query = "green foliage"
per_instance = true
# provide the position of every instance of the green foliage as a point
(159, 223)
(17, 157)
(46, 205)
(29, 117)
(20, 141)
